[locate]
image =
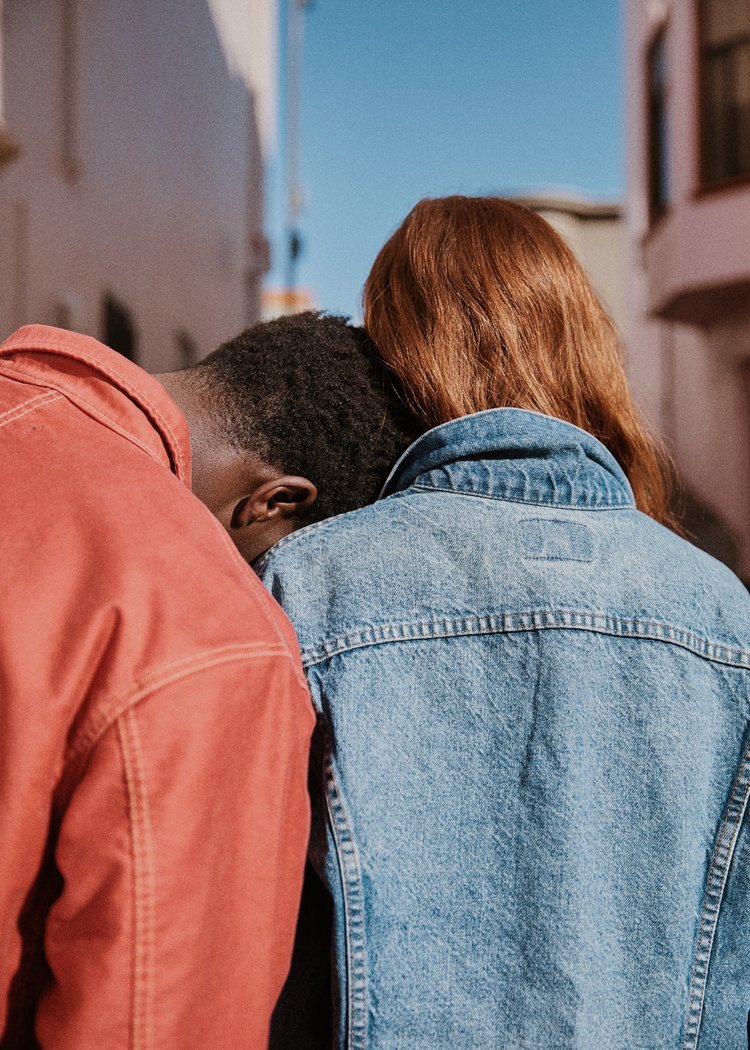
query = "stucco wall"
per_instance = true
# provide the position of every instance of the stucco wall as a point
(165, 211)
(599, 244)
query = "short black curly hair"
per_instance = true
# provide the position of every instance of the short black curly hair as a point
(306, 394)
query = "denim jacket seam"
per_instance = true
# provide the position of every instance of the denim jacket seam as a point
(354, 910)
(613, 505)
(715, 885)
(531, 620)
(111, 371)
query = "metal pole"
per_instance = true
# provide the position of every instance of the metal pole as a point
(295, 41)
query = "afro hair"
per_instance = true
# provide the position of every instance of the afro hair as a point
(306, 394)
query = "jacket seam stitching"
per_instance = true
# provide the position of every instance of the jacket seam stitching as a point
(218, 529)
(109, 711)
(23, 404)
(299, 535)
(718, 873)
(346, 852)
(126, 386)
(143, 889)
(561, 619)
(98, 413)
(28, 406)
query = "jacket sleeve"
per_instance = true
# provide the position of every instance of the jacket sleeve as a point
(182, 851)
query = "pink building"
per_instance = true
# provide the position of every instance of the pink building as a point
(688, 102)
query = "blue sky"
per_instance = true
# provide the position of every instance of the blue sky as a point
(410, 98)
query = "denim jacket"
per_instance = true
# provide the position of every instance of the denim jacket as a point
(533, 823)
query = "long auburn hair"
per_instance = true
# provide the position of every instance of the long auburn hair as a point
(477, 303)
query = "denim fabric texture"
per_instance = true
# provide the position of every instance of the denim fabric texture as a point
(533, 821)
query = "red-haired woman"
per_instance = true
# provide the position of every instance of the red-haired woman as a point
(534, 693)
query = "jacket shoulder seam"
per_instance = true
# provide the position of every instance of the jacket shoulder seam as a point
(52, 347)
(110, 709)
(97, 413)
(300, 535)
(33, 403)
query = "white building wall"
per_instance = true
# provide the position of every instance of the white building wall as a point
(595, 232)
(140, 173)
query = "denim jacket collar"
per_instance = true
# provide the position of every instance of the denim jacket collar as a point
(517, 455)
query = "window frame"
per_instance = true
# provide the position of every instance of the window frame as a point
(706, 186)
(9, 148)
(659, 36)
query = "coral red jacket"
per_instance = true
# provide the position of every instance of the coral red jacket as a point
(154, 727)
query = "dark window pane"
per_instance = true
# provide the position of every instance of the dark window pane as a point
(725, 26)
(658, 127)
(742, 104)
(724, 21)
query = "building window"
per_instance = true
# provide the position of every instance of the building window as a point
(725, 80)
(658, 126)
(8, 145)
(118, 330)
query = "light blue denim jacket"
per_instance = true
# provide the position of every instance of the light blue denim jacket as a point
(534, 821)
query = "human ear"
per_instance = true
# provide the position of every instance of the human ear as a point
(283, 498)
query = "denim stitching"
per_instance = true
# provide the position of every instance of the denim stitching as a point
(261, 563)
(532, 620)
(348, 859)
(718, 873)
(144, 906)
(218, 529)
(265, 604)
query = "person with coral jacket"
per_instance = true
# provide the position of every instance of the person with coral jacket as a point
(155, 726)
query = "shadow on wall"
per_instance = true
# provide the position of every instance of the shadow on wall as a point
(707, 531)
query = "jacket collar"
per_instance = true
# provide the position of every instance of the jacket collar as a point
(512, 454)
(104, 384)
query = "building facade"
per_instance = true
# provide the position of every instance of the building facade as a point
(688, 114)
(133, 139)
(595, 231)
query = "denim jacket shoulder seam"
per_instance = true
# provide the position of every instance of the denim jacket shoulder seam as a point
(531, 620)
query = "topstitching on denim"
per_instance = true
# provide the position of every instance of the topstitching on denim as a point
(718, 873)
(528, 620)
